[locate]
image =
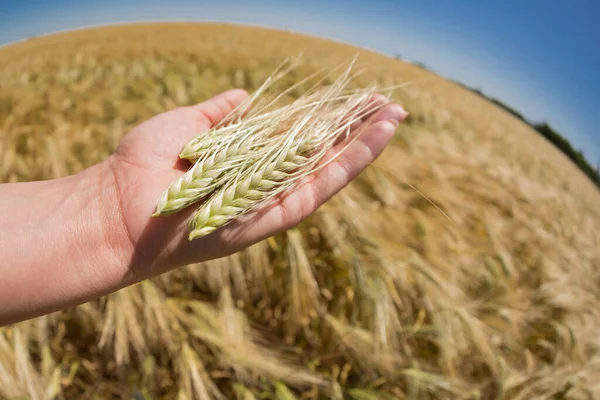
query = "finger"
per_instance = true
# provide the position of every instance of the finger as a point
(214, 110)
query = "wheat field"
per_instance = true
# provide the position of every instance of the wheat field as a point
(376, 296)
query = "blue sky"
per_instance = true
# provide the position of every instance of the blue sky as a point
(540, 56)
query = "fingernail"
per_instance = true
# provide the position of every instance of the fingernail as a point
(403, 113)
(399, 115)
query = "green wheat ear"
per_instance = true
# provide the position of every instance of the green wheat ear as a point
(260, 150)
(288, 160)
(240, 196)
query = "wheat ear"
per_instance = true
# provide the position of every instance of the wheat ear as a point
(232, 200)
(197, 182)
(248, 142)
(208, 172)
(294, 157)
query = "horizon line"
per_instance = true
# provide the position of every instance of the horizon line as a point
(417, 63)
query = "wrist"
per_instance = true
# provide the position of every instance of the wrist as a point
(105, 234)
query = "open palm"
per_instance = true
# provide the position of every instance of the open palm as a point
(146, 162)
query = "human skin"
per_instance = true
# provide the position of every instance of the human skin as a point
(67, 241)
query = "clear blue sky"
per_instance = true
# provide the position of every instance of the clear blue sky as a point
(540, 56)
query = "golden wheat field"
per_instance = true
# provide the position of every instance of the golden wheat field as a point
(376, 296)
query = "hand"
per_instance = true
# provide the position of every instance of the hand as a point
(74, 239)
(146, 162)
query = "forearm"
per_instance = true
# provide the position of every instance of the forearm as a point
(60, 243)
